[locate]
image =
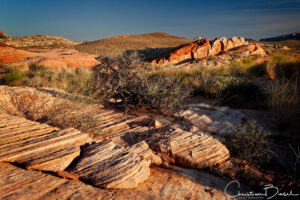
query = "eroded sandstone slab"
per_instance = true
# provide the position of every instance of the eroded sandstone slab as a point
(38, 146)
(108, 165)
(189, 149)
(219, 120)
(164, 184)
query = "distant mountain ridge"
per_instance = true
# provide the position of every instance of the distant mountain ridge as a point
(292, 36)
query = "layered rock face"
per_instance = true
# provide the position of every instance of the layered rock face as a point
(196, 49)
(108, 165)
(38, 146)
(200, 48)
(216, 47)
(48, 58)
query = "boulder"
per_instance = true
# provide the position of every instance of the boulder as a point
(243, 41)
(229, 44)
(223, 41)
(235, 41)
(189, 149)
(216, 47)
(189, 51)
(107, 165)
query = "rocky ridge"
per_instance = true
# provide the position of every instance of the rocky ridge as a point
(200, 48)
(38, 41)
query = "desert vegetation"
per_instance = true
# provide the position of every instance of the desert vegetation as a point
(249, 142)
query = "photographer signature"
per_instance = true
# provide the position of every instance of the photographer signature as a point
(270, 192)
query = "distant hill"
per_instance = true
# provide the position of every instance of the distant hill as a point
(292, 36)
(39, 41)
(147, 44)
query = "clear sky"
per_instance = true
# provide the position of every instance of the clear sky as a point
(96, 19)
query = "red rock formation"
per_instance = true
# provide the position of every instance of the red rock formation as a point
(242, 40)
(196, 49)
(216, 47)
(223, 41)
(49, 58)
(3, 35)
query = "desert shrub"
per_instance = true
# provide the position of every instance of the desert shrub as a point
(239, 68)
(75, 81)
(241, 94)
(257, 70)
(57, 112)
(204, 81)
(249, 142)
(283, 67)
(122, 78)
(13, 78)
(283, 99)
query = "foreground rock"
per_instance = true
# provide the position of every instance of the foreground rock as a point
(216, 120)
(48, 58)
(108, 165)
(38, 146)
(176, 183)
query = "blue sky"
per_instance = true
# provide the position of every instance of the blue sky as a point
(96, 19)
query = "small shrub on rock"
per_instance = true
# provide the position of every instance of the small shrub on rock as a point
(249, 142)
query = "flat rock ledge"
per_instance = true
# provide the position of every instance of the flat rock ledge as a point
(164, 184)
(215, 120)
(193, 150)
(38, 146)
(107, 165)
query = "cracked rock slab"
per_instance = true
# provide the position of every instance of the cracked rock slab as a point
(107, 165)
(38, 146)
(195, 150)
(219, 120)
(164, 184)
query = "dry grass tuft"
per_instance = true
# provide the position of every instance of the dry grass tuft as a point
(283, 100)
(57, 112)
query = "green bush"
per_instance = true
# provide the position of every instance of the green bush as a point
(241, 94)
(249, 142)
(13, 78)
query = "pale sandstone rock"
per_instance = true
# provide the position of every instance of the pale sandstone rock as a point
(223, 41)
(164, 184)
(108, 165)
(220, 120)
(243, 41)
(194, 150)
(216, 47)
(38, 146)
